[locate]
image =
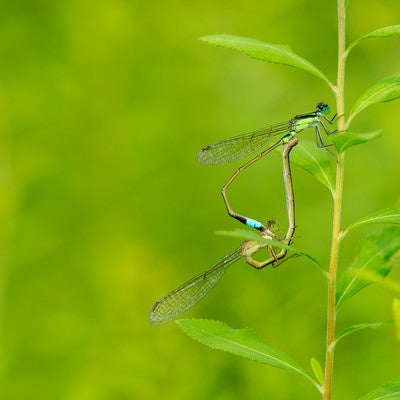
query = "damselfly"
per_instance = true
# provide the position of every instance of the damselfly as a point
(237, 147)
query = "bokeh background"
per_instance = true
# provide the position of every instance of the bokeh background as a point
(103, 107)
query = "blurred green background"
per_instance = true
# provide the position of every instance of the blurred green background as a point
(104, 208)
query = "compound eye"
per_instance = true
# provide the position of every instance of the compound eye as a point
(323, 107)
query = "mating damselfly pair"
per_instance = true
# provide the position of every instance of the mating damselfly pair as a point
(187, 295)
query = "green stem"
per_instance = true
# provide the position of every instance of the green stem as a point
(337, 208)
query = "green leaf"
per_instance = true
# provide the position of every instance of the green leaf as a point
(272, 53)
(375, 255)
(317, 369)
(385, 32)
(384, 282)
(250, 235)
(387, 89)
(318, 162)
(386, 216)
(389, 391)
(396, 316)
(241, 342)
(358, 327)
(343, 141)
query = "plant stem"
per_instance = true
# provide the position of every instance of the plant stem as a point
(337, 207)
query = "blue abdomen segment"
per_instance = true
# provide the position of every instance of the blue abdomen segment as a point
(252, 223)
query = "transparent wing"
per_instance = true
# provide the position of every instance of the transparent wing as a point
(186, 296)
(236, 147)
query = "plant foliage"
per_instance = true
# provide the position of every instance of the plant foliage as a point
(376, 253)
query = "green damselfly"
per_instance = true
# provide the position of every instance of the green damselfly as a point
(187, 295)
(234, 148)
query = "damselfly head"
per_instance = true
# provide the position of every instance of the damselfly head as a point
(273, 226)
(323, 108)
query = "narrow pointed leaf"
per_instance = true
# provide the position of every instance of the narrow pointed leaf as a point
(355, 328)
(396, 316)
(375, 255)
(272, 53)
(384, 282)
(249, 235)
(389, 391)
(385, 32)
(387, 89)
(386, 216)
(318, 162)
(343, 141)
(317, 369)
(241, 342)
